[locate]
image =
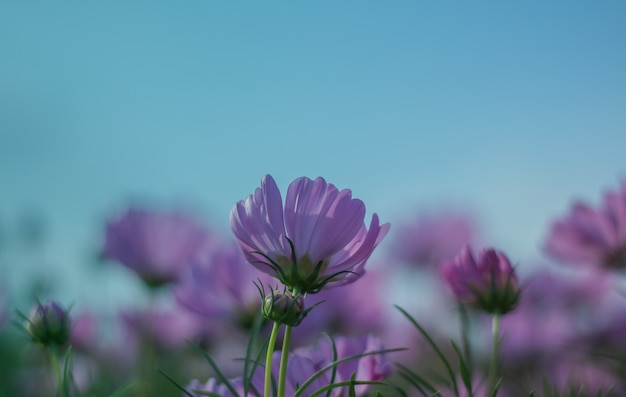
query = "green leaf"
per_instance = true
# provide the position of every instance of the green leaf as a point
(319, 373)
(333, 375)
(415, 379)
(432, 343)
(464, 370)
(247, 376)
(67, 372)
(352, 389)
(206, 393)
(342, 384)
(181, 388)
(218, 373)
(125, 389)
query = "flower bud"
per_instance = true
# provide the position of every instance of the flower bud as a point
(284, 308)
(49, 324)
(489, 283)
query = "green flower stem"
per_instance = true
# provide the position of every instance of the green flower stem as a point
(282, 380)
(57, 369)
(465, 332)
(495, 330)
(268, 360)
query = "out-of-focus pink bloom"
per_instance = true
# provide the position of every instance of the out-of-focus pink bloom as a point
(432, 238)
(489, 283)
(220, 286)
(84, 332)
(374, 367)
(592, 236)
(155, 245)
(580, 374)
(167, 330)
(299, 370)
(355, 309)
(555, 312)
(319, 239)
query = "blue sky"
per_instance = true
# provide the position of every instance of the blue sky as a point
(512, 109)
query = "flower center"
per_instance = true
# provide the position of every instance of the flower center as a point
(616, 259)
(303, 275)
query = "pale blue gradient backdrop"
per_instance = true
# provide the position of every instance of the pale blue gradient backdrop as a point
(512, 109)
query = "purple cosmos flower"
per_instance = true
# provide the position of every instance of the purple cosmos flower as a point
(489, 283)
(432, 238)
(156, 245)
(318, 238)
(49, 324)
(592, 236)
(220, 286)
(374, 367)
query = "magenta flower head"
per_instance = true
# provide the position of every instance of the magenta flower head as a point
(592, 236)
(489, 283)
(49, 324)
(318, 239)
(155, 245)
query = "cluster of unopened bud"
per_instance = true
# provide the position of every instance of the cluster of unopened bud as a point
(49, 324)
(283, 307)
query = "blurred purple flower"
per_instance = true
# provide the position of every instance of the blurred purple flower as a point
(556, 311)
(373, 367)
(584, 376)
(220, 285)
(155, 245)
(300, 368)
(319, 237)
(165, 329)
(84, 332)
(432, 238)
(357, 308)
(489, 283)
(592, 236)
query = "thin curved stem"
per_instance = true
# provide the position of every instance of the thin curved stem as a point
(282, 380)
(267, 392)
(57, 369)
(493, 369)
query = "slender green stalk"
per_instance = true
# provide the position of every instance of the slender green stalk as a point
(268, 360)
(57, 369)
(495, 330)
(282, 380)
(465, 332)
